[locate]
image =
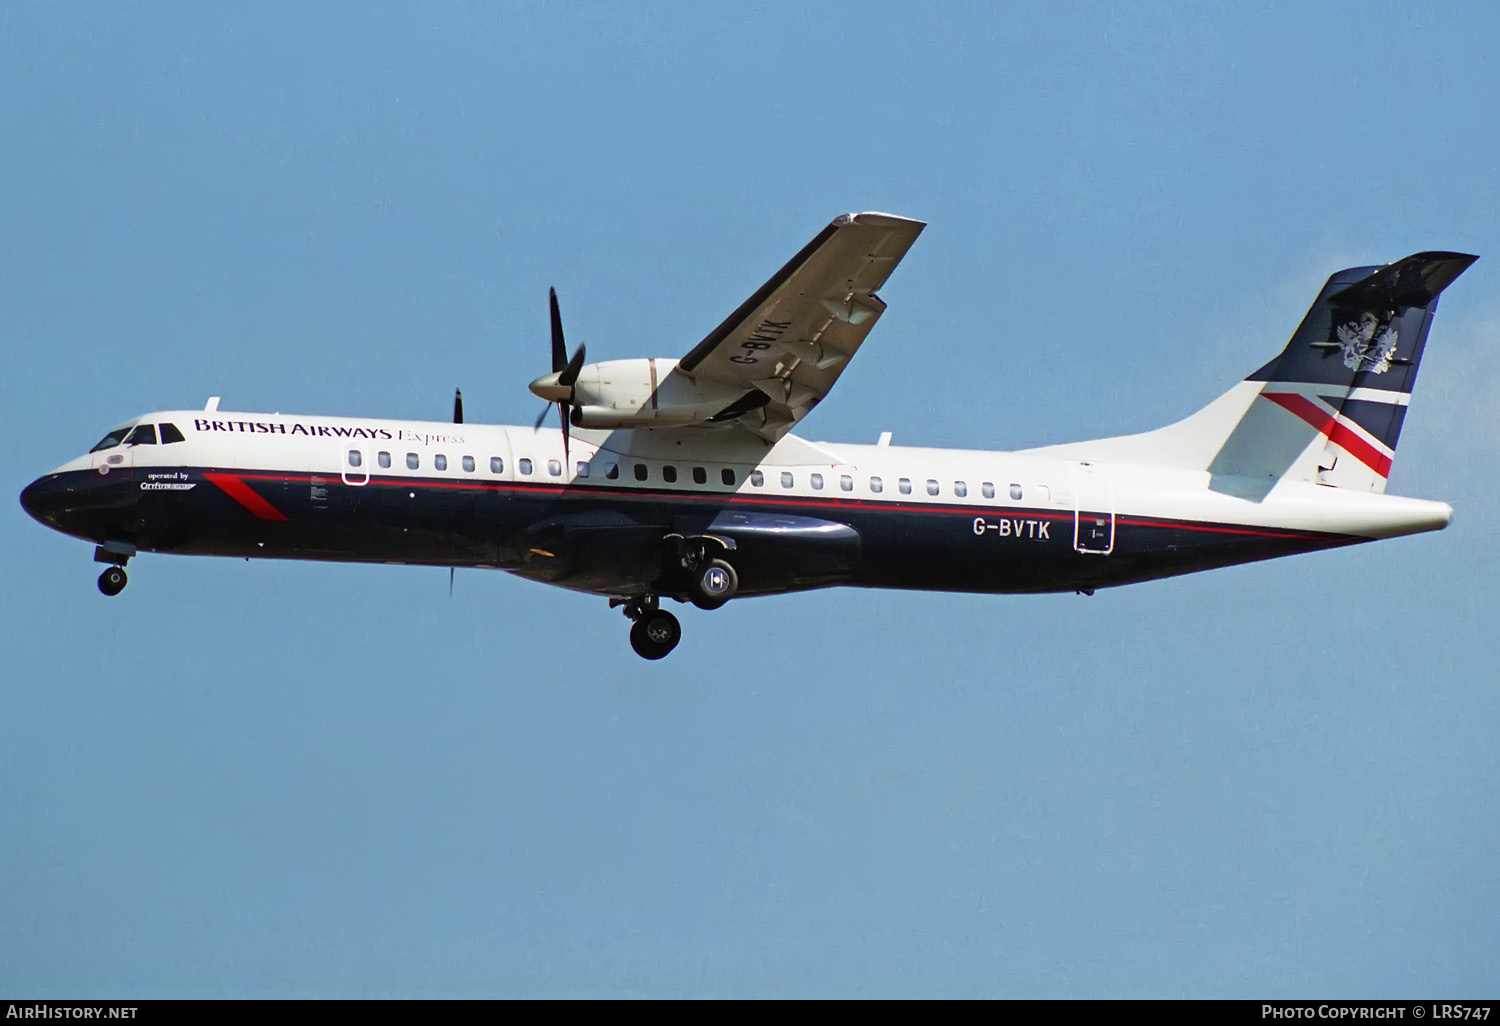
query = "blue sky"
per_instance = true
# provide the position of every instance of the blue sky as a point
(278, 779)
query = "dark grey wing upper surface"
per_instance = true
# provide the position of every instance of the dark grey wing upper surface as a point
(788, 343)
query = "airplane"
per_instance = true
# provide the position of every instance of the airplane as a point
(682, 478)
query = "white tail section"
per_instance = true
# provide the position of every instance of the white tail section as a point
(1239, 434)
(1328, 409)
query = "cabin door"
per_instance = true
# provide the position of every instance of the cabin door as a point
(1094, 513)
(354, 464)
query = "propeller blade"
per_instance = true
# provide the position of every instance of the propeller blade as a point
(565, 373)
(458, 406)
(450, 569)
(541, 417)
(559, 348)
(569, 375)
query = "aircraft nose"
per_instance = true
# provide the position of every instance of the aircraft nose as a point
(43, 498)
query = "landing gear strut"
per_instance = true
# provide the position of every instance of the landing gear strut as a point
(654, 632)
(113, 580)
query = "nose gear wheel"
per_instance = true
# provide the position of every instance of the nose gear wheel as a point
(113, 580)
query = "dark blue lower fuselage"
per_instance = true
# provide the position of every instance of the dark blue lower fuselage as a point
(614, 539)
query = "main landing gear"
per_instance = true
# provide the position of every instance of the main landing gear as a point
(699, 577)
(714, 583)
(117, 554)
(711, 581)
(654, 632)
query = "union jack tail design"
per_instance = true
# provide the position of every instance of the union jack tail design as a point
(1345, 379)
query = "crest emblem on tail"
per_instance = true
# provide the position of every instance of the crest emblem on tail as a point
(1367, 345)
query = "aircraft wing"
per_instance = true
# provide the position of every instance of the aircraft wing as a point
(788, 343)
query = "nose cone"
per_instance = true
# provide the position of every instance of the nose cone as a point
(43, 499)
(551, 388)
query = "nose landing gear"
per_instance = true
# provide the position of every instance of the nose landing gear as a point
(113, 580)
(117, 554)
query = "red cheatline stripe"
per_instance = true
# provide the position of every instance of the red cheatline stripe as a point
(1337, 433)
(246, 496)
(1254, 532)
(590, 492)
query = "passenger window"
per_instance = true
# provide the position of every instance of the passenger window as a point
(468, 464)
(846, 483)
(669, 474)
(1015, 491)
(412, 461)
(524, 465)
(143, 435)
(960, 488)
(497, 465)
(554, 467)
(640, 472)
(583, 468)
(170, 434)
(440, 461)
(905, 485)
(384, 459)
(817, 481)
(932, 487)
(877, 485)
(612, 470)
(700, 476)
(355, 459)
(757, 479)
(786, 479)
(727, 476)
(989, 489)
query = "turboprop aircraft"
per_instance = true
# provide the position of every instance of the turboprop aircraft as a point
(682, 479)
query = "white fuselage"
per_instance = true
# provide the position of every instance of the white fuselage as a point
(793, 470)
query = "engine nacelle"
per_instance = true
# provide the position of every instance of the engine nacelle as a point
(650, 393)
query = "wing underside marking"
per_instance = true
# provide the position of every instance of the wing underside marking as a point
(793, 338)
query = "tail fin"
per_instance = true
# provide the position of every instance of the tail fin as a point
(1329, 408)
(1345, 378)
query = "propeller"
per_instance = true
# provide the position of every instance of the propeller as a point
(458, 418)
(557, 387)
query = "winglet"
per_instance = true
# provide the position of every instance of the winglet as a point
(877, 219)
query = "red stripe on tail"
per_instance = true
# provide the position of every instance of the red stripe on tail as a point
(1337, 433)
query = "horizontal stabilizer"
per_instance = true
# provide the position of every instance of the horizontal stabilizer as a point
(1413, 281)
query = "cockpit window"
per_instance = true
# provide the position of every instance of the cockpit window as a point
(170, 434)
(112, 439)
(143, 435)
